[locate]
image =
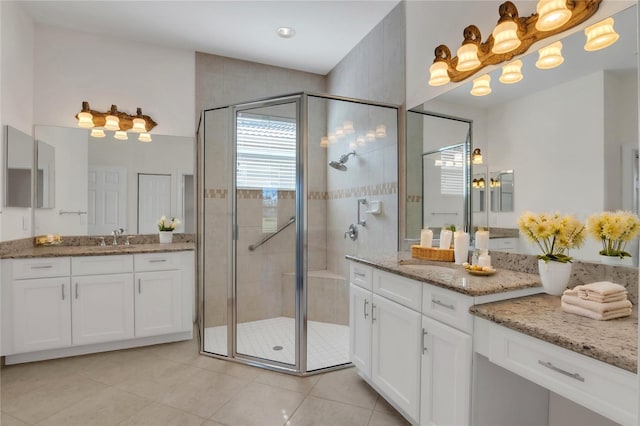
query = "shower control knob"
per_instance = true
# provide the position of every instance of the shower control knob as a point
(352, 232)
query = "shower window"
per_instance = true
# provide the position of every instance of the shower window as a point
(266, 152)
(451, 171)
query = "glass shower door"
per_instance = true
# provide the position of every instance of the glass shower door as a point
(265, 264)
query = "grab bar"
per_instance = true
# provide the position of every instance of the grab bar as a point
(252, 247)
(452, 213)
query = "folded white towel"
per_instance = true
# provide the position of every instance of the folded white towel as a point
(603, 288)
(601, 308)
(595, 297)
(577, 310)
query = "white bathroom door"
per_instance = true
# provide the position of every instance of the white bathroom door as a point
(154, 201)
(107, 200)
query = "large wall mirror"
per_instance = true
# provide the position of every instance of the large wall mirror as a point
(569, 134)
(103, 184)
(18, 166)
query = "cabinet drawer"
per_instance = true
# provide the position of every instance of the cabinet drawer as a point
(361, 275)
(608, 390)
(448, 307)
(405, 291)
(156, 261)
(43, 267)
(97, 265)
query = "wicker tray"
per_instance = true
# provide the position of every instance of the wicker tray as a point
(432, 253)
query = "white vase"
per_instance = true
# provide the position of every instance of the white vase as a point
(616, 260)
(166, 237)
(554, 276)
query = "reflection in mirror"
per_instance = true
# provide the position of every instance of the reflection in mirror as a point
(502, 191)
(97, 183)
(45, 177)
(17, 168)
(571, 132)
(438, 172)
(478, 191)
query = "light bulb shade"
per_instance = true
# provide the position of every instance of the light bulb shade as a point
(360, 140)
(468, 57)
(97, 133)
(144, 137)
(347, 126)
(481, 86)
(505, 37)
(370, 136)
(112, 122)
(550, 56)
(512, 72)
(139, 125)
(121, 135)
(85, 120)
(476, 156)
(552, 14)
(439, 74)
(600, 35)
(324, 142)
(381, 131)
(339, 132)
(332, 138)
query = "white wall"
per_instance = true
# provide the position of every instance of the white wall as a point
(71, 67)
(17, 69)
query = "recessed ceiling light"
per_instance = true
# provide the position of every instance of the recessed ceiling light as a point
(286, 32)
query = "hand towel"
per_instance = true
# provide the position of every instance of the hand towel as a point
(601, 308)
(577, 310)
(603, 288)
(577, 291)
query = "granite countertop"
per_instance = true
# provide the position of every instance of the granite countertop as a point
(449, 275)
(62, 250)
(614, 342)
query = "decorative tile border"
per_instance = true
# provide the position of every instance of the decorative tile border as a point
(414, 198)
(368, 190)
(215, 193)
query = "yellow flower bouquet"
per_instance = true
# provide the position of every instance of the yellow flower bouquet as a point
(553, 233)
(615, 230)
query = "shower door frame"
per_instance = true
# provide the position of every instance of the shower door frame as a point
(300, 364)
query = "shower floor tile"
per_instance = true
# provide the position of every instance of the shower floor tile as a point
(274, 339)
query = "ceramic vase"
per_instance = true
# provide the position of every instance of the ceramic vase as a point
(166, 237)
(554, 276)
(616, 260)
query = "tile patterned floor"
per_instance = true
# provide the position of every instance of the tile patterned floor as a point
(172, 384)
(327, 344)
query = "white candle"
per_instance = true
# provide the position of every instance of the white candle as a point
(482, 240)
(484, 260)
(426, 238)
(461, 247)
(445, 238)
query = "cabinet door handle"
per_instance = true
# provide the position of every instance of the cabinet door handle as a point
(359, 274)
(373, 317)
(76, 290)
(366, 302)
(139, 286)
(157, 260)
(561, 371)
(424, 341)
(62, 286)
(42, 267)
(444, 305)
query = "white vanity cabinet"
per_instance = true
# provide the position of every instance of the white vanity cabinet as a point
(42, 301)
(360, 325)
(64, 306)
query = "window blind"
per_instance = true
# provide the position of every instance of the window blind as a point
(451, 171)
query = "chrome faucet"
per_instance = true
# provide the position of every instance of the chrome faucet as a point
(116, 233)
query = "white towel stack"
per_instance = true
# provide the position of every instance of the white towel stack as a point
(601, 300)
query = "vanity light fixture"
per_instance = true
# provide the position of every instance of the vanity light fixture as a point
(512, 72)
(513, 36)
(97, 133)
(114, 120)
(481, 86)
(505, 34)
(494, 183)
(478, 183)
(600, 35)
(552, 14)
(476, 156)
(550, 56)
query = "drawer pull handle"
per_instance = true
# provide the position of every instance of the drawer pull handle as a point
(444, 305)
(561, 371)
(139, 286)
(366, 302)
(76, 290)
(42, 267)
(360, 274)
(62, 285)
(157, 260)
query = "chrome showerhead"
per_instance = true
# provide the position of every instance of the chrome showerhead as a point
(339, 165)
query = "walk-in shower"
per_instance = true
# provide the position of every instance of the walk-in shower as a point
(273, 287)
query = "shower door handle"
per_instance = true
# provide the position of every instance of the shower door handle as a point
(366, 302)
